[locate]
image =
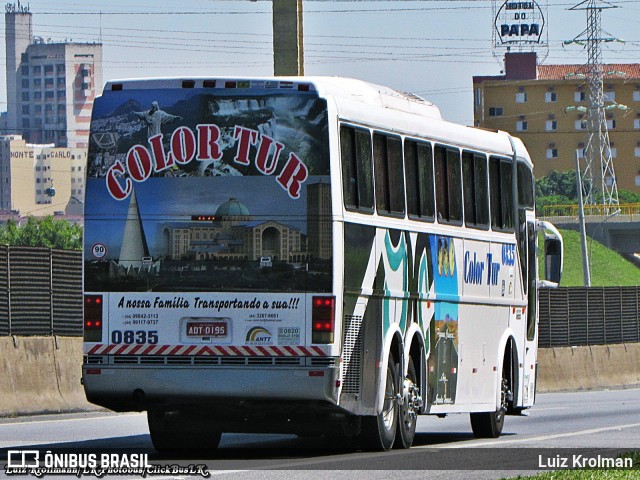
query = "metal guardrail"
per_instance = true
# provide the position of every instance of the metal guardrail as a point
(591, 210)
(577, 316)
(40, 291)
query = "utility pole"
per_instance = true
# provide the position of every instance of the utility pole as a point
(598, 159)
(288, 52)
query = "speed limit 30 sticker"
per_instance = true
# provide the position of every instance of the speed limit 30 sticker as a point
(98, 250)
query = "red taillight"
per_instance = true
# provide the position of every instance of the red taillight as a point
(323, 319)
(93, 318)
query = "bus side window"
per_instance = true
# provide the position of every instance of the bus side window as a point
(501, 193)
(357, 177)
(389, 179)
(476, 195)
(448, 185)
(418, 167)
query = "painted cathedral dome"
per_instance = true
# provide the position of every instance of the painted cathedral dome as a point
(232, 208)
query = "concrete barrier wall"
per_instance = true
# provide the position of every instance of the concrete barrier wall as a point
(42, 374)
(593, 367)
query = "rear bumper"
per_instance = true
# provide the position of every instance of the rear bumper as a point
(135, 388)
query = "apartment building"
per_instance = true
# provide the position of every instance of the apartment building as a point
(544, 106)
(50, 85)
(40, 180)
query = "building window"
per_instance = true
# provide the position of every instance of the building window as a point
(580, 152)
(24, 70)
(48, 95)
(550, 97)
(48, 82)
(25, 83)
(636, 96)
(25, 109)
(551, 126)
(37, 95)
(552, 153)
(614, 152)
(37, 82)
(62, 94)
(522, 126)
(611, 124)
(521, 97)
(48, 69)
(495, 111)
(610, 95)
(579, 96)
(581, 124)
(37, 70)
(25, 96)
(636, 151)
(636, 123)
(60, 68)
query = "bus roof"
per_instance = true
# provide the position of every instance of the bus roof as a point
(350, 95)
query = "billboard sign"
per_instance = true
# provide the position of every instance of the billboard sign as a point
(519, 23)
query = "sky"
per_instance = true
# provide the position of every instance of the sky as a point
(431, 48)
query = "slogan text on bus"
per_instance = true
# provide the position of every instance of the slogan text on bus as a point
(204, 146)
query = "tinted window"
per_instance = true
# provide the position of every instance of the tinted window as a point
(357, 178)
(389, 180)
(418, 167)
(525, 186)
(501, 189)
(448, 184)
(476, 194)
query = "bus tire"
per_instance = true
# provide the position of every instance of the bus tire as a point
(379, 432)
(408, 411)
(170, 431)
(489, 424)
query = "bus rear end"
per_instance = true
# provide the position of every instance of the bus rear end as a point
(208, 270)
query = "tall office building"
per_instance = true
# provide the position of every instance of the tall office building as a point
(545, 105)
(50, 85)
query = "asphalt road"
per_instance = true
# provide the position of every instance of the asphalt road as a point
(560, 425)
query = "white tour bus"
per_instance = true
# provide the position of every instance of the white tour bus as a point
(402, 268)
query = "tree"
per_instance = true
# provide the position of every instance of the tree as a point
(44, 232)
(558, 183)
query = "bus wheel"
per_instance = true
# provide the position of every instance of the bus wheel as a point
(489, 424)
(379, 432)
(408, 411)
(172, 431)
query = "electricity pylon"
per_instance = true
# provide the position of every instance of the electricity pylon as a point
(598, 151)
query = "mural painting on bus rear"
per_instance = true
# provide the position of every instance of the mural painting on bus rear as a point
(443, 335)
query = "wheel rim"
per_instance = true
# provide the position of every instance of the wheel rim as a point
(411, 404)
(388, 410)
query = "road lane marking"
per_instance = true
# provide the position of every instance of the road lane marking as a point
(36, 422)
(500, 442)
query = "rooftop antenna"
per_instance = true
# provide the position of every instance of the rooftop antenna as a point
(598, 151)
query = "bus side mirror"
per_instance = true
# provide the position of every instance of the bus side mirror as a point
(553, 255)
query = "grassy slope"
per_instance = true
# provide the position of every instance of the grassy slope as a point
(607, 267)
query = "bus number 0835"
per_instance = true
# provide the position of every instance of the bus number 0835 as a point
(139, 337)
